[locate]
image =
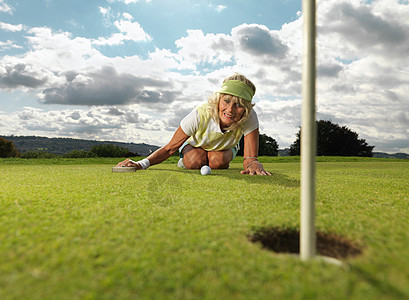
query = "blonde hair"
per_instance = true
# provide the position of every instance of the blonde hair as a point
(248, 105)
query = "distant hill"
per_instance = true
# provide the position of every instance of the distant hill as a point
(395, 156)
(61, 146)
(286, 152)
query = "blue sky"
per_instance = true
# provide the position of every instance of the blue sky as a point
(164, 20)
(129, 70)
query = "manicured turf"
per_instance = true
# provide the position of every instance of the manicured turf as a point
(73, 230)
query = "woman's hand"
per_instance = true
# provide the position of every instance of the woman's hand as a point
(255, 168)
(250, 163)
(129, 163)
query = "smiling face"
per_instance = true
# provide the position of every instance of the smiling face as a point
(230, 111)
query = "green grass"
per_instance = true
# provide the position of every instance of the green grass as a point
(71, 229)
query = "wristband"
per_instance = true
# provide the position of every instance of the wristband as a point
(144, 163)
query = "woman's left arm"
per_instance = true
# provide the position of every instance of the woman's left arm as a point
(251, 164)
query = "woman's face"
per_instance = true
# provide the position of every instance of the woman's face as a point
(230, 111)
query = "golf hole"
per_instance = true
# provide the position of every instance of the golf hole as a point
(288, 241)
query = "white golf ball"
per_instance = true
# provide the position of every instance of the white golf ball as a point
(205, 170)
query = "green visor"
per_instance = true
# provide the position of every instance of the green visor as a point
(237, 88)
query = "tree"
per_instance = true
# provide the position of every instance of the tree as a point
(7, 148)
(109, 150)
(334, 140)
(267, 146)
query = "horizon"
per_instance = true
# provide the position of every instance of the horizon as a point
(122, 142)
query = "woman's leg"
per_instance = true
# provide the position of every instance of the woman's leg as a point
(220, 159)
(194, 158)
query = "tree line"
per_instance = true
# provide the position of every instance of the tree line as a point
(62, 146)
(7, 149)
(332, 140)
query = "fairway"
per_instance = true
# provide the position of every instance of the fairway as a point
(75, 230)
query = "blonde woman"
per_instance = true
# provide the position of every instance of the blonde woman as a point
(210, 134)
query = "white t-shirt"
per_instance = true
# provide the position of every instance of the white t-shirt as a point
(204, 132)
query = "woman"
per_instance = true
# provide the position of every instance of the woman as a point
(210, 134)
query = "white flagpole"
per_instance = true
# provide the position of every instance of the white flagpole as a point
(308, 134)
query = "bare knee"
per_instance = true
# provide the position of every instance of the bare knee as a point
(216, 164)
(220, 159)
(195, 158)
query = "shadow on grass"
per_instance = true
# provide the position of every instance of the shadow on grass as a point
(275, 178)
(284, 240)
(383, 286)
(234, 173)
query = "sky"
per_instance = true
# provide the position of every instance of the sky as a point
(130, 70)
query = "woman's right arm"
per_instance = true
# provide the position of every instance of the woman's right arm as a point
(162, 154)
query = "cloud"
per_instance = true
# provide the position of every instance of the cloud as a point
(368, 30)
(218, 8)
(8, 45)
(246, 42)
(58, 51)
(330, 70)
(11, 27)
(127, 16)
(115, 112)
(21, 75)
(197, 48)
(128, 30)
(107, 87)
(67, 122)
(97, 123)
(132, 30)
(177, 114)
(258, 40)
(4, 7)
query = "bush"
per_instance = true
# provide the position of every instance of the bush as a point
(7, 149)
(38, 154)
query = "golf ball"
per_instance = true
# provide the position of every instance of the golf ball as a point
(205, 170)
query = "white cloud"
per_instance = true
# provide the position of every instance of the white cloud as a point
(58, 50)
(127, 16)
(11, 27)
(100, 123)
(198, 48)
(104, 10)
(129, 31)
(220, 8)
(4, 7)
(132, 30)
(8, 45)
